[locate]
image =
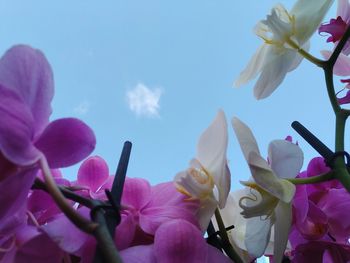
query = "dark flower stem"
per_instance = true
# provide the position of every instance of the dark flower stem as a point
(341, 115)
(229, 250)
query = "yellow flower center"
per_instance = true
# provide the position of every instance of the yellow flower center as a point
(278, 29)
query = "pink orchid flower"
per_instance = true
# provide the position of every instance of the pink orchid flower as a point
(93, 176)
(145, 208)
(26, 135)
(175, 241)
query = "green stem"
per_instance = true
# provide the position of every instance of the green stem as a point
(331, 61)
(328, 72)
(342, 173)
(105, 243)
(314, 179)
(305, 54)
(78, 220)
(229, 250)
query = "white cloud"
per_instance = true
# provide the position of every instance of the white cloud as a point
(82, 108)
(144, 101)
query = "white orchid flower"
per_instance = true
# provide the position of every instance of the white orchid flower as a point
(208, 177)
(268, 201)
(284, 34)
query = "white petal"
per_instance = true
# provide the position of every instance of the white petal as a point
(283, 213)
(257, 235)
(231, 216)
(286, 158)
(267, 180)
(205, 213)
(211, 153)
(254, 66)
(245, 137)
(273, 74)
(308, 16)
(298, 58)
(342, 65)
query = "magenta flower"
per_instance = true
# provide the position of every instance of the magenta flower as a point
(93, 177)
(321, 251)
(26, 135)
(336, 27)
(29, 244)
(175, 241)
(146, 208)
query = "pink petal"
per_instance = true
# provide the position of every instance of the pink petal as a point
(214, 255)
(138, 254)
(335, 205)
(65, 142)
(25, 70)
(151, 218)
(93, 173)
(166, 194)
(16, 129)
(136, 193)
(66, 235)
(173, 245)
(42, 206)
(37, 247)
(342, 65)
(14, 191)
(125, 231)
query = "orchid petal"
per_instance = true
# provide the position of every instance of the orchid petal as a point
(215, 255)
(267, 180)
(286, 158)
(37, 247)
(16, 129)
(137, 192)
(257, 235)
(308, 16)
(299, 58)
(342, 65)
(165, 194)
(14, 191)
(211, 153)
(138, 254)
(153, 217)
(343, 10)
(93, 172)
(125, 231)
(65, 234)
(172, 245)
(245, 137)
(255, 65)
(273, 74)
(25, 70)
(283, 213)
(230, 215)
(66, 141)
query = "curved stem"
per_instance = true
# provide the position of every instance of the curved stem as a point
(38, 184)
(331, 61)
(314, 179)
(231, 253)
(328, 72)
(305, 54)
(78, 220)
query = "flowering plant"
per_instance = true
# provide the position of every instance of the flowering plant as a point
(282, 212)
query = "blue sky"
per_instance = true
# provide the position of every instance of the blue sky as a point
(183, 55)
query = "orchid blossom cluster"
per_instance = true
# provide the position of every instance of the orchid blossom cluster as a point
(281, 212)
